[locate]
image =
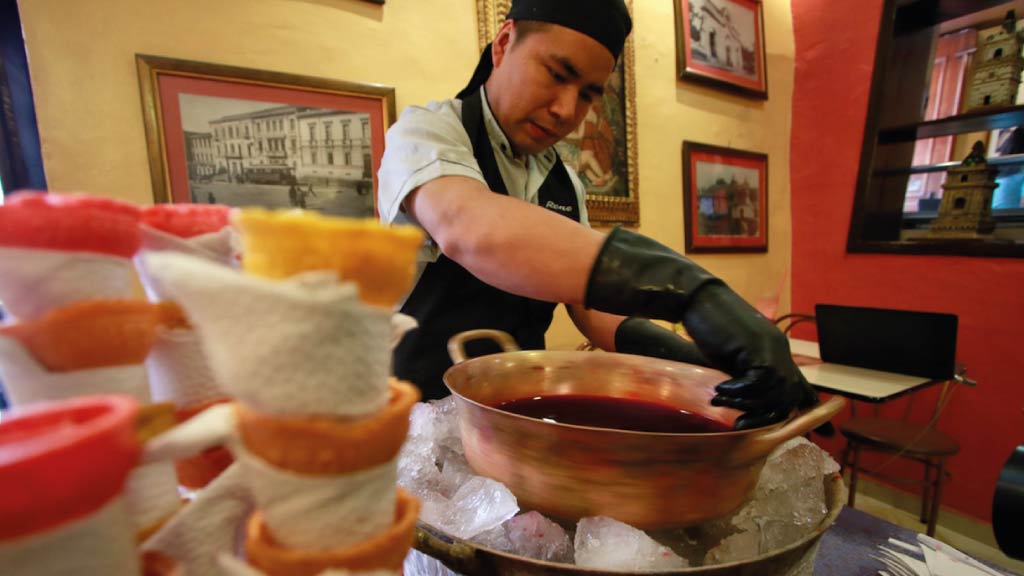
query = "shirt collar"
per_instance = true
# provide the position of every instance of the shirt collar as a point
(497, 135)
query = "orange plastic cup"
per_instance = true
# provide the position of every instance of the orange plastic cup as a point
(381, 260)
(385, 551)
(90, 334)
(321, 445)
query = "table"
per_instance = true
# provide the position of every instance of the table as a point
(851, 381)
(847, 547)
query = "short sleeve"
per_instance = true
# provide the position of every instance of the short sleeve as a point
(425, 143)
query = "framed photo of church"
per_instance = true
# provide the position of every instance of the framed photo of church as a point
(721, 43)
(602, 150)
(725, 199)
(221, 134)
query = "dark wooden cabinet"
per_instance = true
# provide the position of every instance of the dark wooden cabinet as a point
(896, 120)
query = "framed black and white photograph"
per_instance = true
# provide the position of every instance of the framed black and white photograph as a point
(243, 137)
(721, 43)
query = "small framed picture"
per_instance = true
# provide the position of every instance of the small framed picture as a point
(721, 43)
(243, 137)
(725, 199)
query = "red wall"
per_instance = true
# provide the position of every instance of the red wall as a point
(835, 45)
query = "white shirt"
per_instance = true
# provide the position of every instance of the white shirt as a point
(430, 142)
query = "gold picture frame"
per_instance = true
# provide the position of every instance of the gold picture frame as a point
(265, 137)
(614, 196)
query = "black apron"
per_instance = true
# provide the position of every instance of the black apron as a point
(448, 299)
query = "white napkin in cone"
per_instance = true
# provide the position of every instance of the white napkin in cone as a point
(210, 524)
(322, 512)
(27, 382)
(179, 371)
(101, 543)
(220, 247)
(306, 345)
(34, 281)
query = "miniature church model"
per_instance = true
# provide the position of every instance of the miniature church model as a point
(966, 208)
(999, 63)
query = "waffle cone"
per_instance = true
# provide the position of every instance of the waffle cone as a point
(381, 260)
(385, 551)
(90, 334)
(197, 471)
(156, 564)
(171, 316)
(322, 445)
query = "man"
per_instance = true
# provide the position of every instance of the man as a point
(507, 223)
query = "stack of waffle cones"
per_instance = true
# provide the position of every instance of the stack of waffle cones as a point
(358, 451)
(301, 341)
(179, 371)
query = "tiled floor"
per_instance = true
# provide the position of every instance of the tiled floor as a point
(966, 544)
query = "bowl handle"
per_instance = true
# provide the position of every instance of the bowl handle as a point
(457, 343)
(453, 554)
(762, 443)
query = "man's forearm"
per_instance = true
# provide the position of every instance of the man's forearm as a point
(508, 243)
(598, 327)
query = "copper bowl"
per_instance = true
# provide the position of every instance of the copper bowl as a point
(646, 479)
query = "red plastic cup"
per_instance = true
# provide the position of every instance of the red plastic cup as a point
(186, 220)
(74, 223)
(62, 461)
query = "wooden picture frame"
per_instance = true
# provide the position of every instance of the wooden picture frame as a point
(725, 199)
(603, 149)
(720, 43)
(245, 137)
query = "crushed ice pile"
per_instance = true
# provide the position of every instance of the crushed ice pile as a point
(788, 503)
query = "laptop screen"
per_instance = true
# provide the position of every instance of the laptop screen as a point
(902, 341)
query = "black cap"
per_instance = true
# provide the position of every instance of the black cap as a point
(606, 21)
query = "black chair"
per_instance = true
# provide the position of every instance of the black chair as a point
(907, 342)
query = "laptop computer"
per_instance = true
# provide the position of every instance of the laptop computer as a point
(879, 353)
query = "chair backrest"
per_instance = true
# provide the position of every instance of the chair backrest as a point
(787, 322)
(902, 341)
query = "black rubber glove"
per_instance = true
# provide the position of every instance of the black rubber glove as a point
(645, 338)
(636, 276)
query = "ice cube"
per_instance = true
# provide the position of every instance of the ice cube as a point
(534, 536)
(742, 545)
(454, 474)
(788, 504)
(417, 467)
(421, 420)
(495, 538)
(479, 505)
(608, 544)
(446, 425)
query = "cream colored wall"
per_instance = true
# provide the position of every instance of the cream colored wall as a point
(81, 57)
(82, 62)
(670, 111)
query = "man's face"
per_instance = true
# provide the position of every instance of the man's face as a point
(543, 83)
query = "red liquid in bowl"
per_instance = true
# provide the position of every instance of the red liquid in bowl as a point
(614, 413)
